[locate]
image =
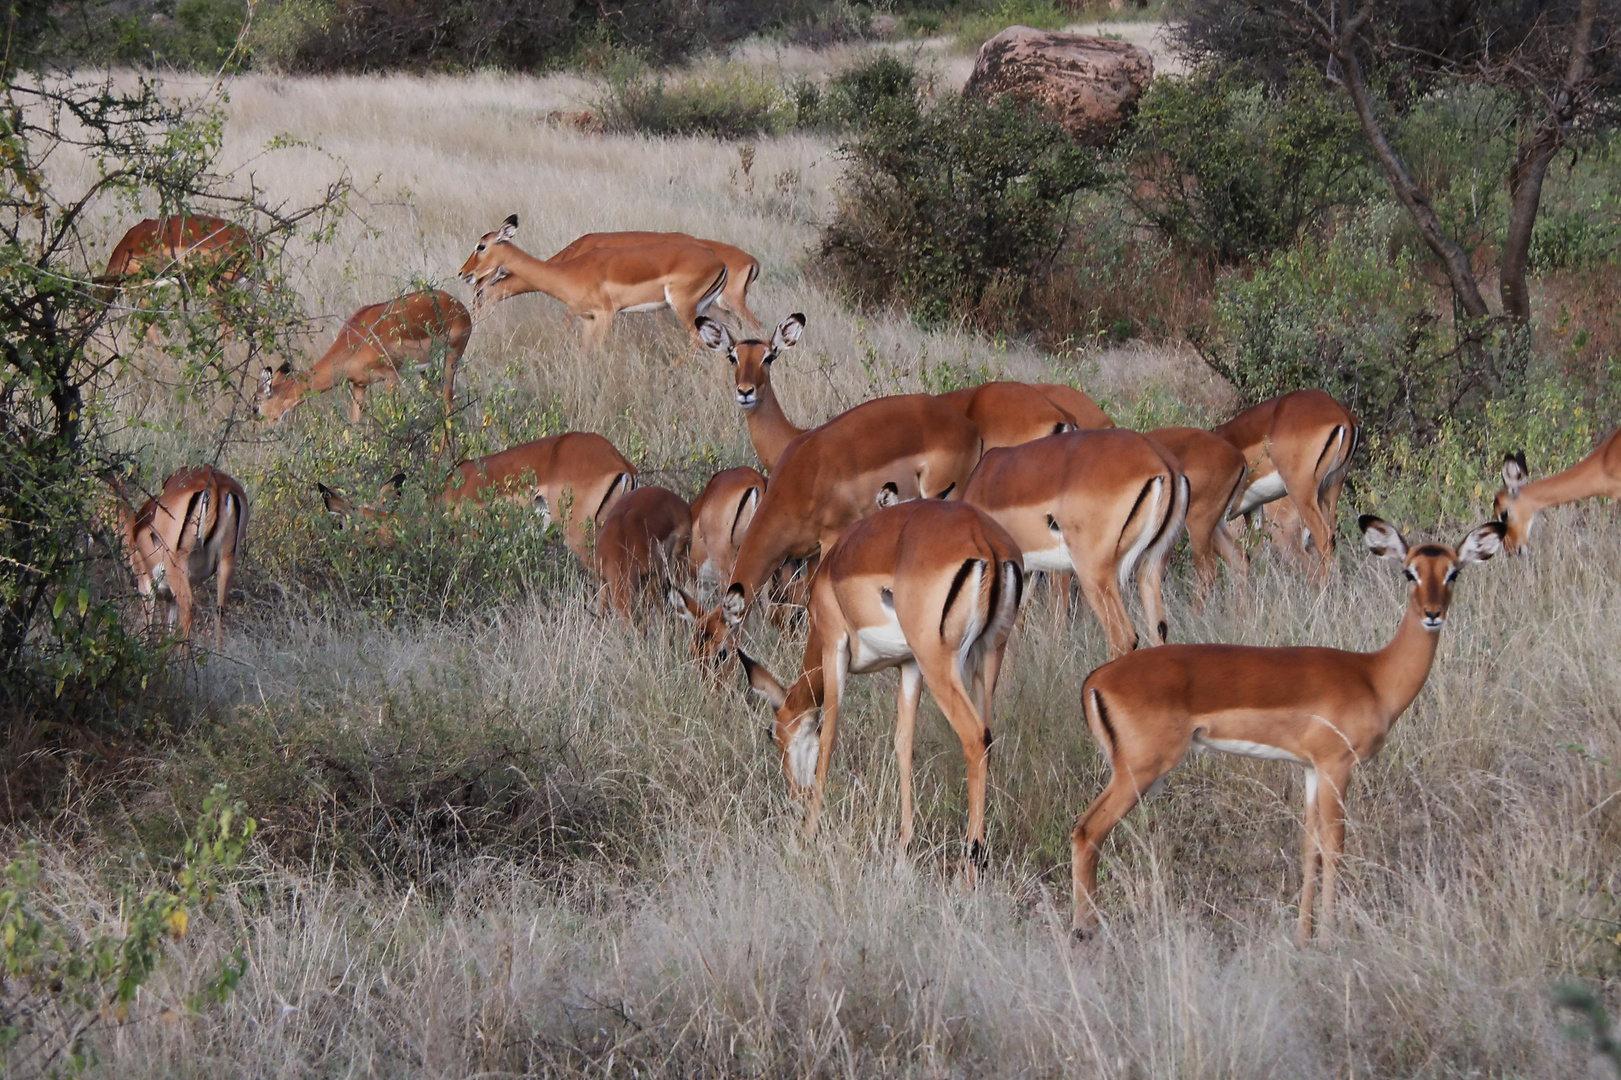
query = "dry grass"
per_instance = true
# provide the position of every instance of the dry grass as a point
(653, 910)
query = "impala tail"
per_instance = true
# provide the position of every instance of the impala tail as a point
(1157, 520)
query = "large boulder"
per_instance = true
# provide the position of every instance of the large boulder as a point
(1090, 85)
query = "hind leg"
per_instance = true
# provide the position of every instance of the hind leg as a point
(1103, 597)
(946, 683)
(905, 725)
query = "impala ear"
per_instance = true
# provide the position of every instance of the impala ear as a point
(888, 495)
(335, 504)
(683, 604)
(787, 335)
(544, 509)
(1515, 473)
(508, 229)
(391, 486)
(733, 607)
(1382, 538)
(761, 681)
(267, 381)
(1482, 543)
(714, 335)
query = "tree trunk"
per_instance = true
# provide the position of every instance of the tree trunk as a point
(1452, 254)
(1531, 168)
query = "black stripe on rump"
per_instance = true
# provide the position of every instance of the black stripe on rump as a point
(956, 587)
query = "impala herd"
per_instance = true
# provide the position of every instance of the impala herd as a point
(906, 529)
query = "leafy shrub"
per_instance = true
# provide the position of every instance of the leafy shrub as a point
(947, 208)
(882, 86)
(380, 35)
(422, 562)
(1341, 315)
(726, 103)
(974, 24)
(1220, 164)
(61, 982)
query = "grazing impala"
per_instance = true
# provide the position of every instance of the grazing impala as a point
(1326, 709)
(573, 478)
(599, 283)
(178, 540)
(931, 588)
(769, 429)
(1216, 472)
(163, 245)
(642, 538)
(721, 515)
(1010, 413)
(1298, 445)
(1522, 498)
(741, 268)
(373, 346)
(906, 447)
(1107, 505)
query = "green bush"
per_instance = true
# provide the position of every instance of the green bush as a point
(1221, 165)
(1342, 315)
(881, 86)
(60, 982)
(726, 103)
(422, 562)
(947, 208)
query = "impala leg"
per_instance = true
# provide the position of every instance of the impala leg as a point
(1230, 553)
(1311, 859)
(184, 603)
(1123, 792)
(905, 725)
(227, 571)
(835, 663)
(1103, 597)
(357, 395)
(944, 677)
(1058, 585)
(1331, 792)
(1303, 492)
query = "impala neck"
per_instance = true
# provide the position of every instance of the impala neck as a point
(527, 274)
(1583, 480)
(1401, 667)
(771, 540)
(769, 427)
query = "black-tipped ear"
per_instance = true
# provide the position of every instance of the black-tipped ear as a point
(713, 334)
(1483, 542)
(512, 220)
(888, 495)
(1382, 538)
(733, 606)
(286, 368)
(1515, 473)
(761, 681)
(391, 486)
(787, 335)
(682, 603)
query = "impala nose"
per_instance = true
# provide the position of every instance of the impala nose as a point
(1433, 620)
(746, 396)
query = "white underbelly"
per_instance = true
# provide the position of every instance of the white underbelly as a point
(879, 646)
(657, 305)
(1245, 748)
(1054, 559)
(1268, 488)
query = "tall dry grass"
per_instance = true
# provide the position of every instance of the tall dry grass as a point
(537, 843)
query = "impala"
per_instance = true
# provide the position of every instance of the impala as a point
(906, 447)
(741, 268)
(931, 588)
(644, 535)
(373, 346)
(1298, 445)
(720, 519)
(598, 284)
(1522, 498)
(162, 245)
(179, 539)
(1216, 472)
(1107, 505)
(769, 428)
(1010, 413)
(573, 478)
(1325, 709)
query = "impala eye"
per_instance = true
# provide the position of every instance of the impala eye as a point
(1412, 575)
(1452, 575)
(733, 358)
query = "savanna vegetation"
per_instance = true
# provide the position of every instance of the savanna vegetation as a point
(427, 812)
